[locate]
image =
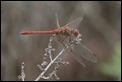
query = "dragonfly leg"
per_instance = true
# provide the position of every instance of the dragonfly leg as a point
(58, 41)
(61, 41)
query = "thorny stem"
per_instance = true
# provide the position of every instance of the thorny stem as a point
(37, 79)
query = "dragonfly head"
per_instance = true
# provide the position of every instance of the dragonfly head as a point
(75, 32)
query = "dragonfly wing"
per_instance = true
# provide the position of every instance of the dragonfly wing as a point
(57, 21)
(74, 23)
(78, 58)
(82, 50)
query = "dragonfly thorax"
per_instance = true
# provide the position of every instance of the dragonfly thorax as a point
(73, 32)
(66, 31)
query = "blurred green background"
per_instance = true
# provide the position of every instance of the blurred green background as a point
(100, 29)
(113, 67)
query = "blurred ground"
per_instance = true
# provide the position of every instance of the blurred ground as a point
(101, 30)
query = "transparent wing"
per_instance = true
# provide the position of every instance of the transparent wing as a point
(79, 59)
(83, 51)
(57, 21)
(74, 23)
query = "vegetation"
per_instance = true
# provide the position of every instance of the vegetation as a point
(113, 68)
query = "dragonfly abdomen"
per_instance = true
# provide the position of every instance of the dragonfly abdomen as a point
(38, 32)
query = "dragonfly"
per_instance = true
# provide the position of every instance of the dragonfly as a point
(69, 30)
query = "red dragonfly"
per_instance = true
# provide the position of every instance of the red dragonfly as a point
(69, 30)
